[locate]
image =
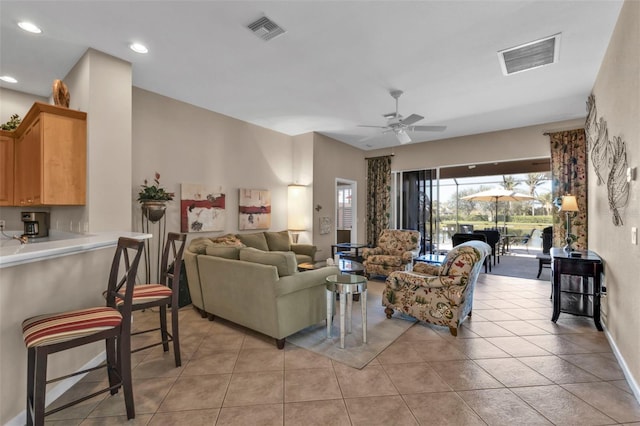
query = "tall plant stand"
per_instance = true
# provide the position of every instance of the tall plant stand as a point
(148, 224)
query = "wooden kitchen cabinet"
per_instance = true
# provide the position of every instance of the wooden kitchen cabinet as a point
(51, 157)
(6, 172)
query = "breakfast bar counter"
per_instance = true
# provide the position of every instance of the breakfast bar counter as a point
(59, 243)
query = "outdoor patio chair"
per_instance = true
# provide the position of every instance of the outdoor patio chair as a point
(493, 239)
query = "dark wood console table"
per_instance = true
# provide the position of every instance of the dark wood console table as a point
(576, 284)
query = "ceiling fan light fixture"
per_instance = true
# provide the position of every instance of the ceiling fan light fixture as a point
(402, 136)
(29, 27)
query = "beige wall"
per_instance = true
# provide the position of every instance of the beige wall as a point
(617, 92)
(332, 160)
(100, 84)
(187, 144)
(14, 102)
(505, 145)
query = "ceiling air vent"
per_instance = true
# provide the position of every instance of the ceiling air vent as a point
(265, 28)
(530, 55)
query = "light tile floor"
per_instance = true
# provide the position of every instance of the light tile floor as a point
(509, 365)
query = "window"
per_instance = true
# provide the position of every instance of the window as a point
(345, 211)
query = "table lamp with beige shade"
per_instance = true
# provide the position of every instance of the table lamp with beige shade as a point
(569, 205)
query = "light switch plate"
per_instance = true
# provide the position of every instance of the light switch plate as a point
(634, 235)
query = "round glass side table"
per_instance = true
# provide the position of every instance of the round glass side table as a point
(346, 286)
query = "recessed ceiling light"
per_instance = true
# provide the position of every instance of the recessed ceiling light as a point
(8, 79)
(138, 48)
(28, 26)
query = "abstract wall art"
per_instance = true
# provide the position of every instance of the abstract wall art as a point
(609, 159)
(254, 208)
(202, 208)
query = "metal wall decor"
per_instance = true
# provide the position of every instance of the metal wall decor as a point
(609, 159)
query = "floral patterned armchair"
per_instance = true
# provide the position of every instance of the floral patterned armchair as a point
(395, 252)
(441, 295)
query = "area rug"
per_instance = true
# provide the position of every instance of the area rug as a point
(381, 332)
(521, 266)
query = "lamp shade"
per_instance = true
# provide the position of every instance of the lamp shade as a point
(569, 204)
(298, 203)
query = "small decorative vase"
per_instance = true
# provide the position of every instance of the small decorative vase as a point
(153, 209)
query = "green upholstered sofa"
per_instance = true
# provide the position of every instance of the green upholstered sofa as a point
(278, 241)
(260, 290)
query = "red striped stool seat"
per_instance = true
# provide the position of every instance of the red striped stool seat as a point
(48, 329)
(148, 293)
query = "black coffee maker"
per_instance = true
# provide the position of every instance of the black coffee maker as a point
(36, 224)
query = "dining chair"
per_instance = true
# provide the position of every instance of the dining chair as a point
(164, 295)
(52, 333)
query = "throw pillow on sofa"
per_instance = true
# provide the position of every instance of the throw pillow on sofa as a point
(224, 251)
(278, 241)
(284, 261)
(199, 245)
(255, 240)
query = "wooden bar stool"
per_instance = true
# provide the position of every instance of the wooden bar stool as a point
(51, 333)
(163, 295)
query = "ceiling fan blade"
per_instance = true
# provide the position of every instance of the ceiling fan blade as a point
(375, 127)
(428, 128)
(413, 118)
(403, 137)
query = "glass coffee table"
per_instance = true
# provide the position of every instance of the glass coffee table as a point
(431, 258)
(346, 266)
(346, 285)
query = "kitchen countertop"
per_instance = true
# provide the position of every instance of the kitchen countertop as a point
(58, 244)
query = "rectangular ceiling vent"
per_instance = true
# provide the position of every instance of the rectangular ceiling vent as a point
(266, 29)
(530, 55)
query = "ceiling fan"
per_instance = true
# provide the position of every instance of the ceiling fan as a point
(400, 125)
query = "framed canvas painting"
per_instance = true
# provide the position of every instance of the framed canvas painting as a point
(254, 207)
(202, 208)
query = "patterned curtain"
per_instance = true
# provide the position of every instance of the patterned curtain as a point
(569, 177)
(378, 197)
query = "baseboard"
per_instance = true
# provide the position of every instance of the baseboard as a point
(633, 384)
(59, 389)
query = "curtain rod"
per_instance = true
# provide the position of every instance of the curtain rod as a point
(379, 156)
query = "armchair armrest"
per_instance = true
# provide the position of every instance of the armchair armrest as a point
(306, 249)
(426, 268)
(407, 257)
(366, 252)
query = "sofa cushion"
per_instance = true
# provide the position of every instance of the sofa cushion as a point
(284, 261)
(199, 245)
(256, 240)
(224, 251)
(278, 241)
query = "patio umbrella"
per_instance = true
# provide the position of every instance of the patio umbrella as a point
(496, 195)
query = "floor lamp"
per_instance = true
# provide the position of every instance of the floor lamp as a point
(569, 205)
(298, 204)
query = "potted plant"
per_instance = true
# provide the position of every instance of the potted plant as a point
(153, 199)
(12, 124)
